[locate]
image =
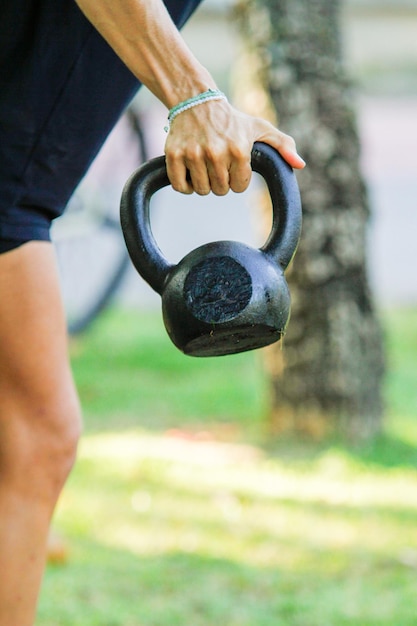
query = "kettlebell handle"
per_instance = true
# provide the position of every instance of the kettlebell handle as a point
(152, 176)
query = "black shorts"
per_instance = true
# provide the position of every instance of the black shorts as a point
(62, 89)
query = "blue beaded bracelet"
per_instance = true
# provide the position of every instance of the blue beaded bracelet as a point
(206, 96)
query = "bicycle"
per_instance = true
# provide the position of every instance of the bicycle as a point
(91, 253)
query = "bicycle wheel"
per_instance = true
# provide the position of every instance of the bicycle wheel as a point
(91, 252)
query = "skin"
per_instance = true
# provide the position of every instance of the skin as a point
(39, 410)
(212, 141)
(39, 421)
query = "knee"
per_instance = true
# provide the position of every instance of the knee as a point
(56, 437)
(38, 443)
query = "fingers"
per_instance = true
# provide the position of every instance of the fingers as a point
(208, 149)
(178, 174)
(200, 158)
(206, 177)
(200, 172)
(209, 171)
(230, 170)
(285, 145)
(188, 176)
(240, 172)
(288, 150)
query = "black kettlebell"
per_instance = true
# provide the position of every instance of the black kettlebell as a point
(223, 297)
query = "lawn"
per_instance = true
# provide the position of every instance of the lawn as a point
(178, 513)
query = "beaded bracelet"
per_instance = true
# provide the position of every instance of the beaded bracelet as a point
(206, 96)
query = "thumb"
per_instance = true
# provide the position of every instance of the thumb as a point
(285, 145)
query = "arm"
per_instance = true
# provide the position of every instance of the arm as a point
(212, 141)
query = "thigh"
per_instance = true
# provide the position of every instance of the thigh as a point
(34, 366)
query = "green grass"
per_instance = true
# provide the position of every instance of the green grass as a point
(176, 514)
(129, 374)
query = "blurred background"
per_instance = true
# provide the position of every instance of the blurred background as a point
(186, 506)
(380, 54)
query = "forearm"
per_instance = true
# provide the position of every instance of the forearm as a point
(208, 147)
(143, 35)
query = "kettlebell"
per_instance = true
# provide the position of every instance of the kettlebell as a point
(223, 297)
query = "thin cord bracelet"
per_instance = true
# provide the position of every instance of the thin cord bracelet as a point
(206, 96)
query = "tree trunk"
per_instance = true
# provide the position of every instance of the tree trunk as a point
(328, 375)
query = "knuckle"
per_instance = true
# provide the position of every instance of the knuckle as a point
(173, 153)
(288, 141)
(215, 154)
(240, 153)
(193, 153)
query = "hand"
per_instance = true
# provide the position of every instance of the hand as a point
(208, 148)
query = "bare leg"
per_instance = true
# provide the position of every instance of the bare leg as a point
(39, 422)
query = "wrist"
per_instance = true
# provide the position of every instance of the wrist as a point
(201, 98)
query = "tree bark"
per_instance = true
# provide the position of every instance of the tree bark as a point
(328, 376)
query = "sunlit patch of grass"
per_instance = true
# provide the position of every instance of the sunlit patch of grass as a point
(312, 545)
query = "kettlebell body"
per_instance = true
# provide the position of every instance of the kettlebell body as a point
(223, 297)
